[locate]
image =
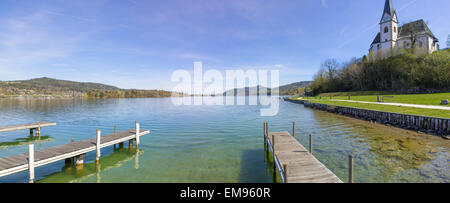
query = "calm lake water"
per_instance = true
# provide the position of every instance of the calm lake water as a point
(215, 143)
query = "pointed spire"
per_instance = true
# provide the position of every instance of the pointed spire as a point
(389, 12)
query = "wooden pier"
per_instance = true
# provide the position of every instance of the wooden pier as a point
(73, 153)
(34, 127)
(293, 162)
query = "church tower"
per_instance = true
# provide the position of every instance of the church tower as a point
(388, 27)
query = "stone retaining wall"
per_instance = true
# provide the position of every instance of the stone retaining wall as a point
(439, 126)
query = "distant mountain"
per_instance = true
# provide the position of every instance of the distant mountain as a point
(290, 89)
(50, 84)
(53, 87)
(295, 85)
(246, 91)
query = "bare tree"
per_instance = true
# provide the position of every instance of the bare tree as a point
(330, 66)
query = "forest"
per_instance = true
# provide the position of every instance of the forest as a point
(405, 73)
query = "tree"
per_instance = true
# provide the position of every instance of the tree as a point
(413, 39)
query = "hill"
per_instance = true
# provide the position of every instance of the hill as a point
(294, 88)
(290, 89)
(53, 87)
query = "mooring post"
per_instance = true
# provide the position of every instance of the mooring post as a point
(137, 134)
(31, 162)
(97, 144)
(73, 140)
(38, 131)
(264, 132)
(293, 129)
(115, 130)
(310, 143)
(31, 132)
(350, 169)
(80, 160)
(130, 144)
(273, 154)
(285, 166)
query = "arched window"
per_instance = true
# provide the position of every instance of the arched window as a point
(386, 29)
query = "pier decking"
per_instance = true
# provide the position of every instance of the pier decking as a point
(25, 126)
(294, 163)
(68, 152)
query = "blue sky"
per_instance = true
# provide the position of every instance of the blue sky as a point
(139, 43)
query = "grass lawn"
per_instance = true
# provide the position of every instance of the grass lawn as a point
(423, 99)
(389, 108)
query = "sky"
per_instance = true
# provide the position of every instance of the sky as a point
(140, 43)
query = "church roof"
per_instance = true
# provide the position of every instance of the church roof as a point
(377, 39)
(415, 27)
(406, 30)
(388, 10)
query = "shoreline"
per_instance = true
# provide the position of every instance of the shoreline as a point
(424, 124)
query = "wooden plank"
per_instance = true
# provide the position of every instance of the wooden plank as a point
(303, 166)
(25, 126)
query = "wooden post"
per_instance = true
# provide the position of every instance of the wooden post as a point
(73, 140)
(350, 169)
(310, 143)
(31, 162)
(285, 166)
(265, 147)
(293, 129)
(31, 132)
(80, 160)
(130, 144)
(273, 154)
(137, 134)
(38, 131)
(97, 144)
(115, 130)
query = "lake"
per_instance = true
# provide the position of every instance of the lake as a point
(215, 143)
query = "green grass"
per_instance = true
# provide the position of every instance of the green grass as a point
(423, 99)
(389, 108)
(356, 93)
(370, 96)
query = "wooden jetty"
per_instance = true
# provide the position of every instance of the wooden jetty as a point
(73, 153)
(293, 162)
(32, 126)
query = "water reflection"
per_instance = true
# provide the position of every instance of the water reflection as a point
(72, 174)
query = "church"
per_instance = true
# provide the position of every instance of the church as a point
(392, 38)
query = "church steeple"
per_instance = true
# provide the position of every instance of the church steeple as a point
(389, 12)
